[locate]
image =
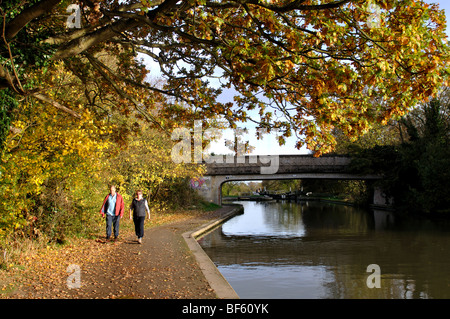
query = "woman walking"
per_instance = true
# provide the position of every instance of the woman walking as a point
(138, 209)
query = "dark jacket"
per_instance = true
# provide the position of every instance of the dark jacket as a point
(139, 207)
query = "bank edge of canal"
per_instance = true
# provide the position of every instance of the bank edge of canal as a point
(216, 280)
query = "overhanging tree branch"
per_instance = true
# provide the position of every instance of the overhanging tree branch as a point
(30, 13)
(97, 65)
(47, 99)
(294, 5)
(83, 43)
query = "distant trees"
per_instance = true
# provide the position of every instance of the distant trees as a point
(239, 188)
(353, 191)
(282, 185)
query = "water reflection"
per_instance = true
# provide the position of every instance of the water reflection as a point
(265, 219)
(316, 250)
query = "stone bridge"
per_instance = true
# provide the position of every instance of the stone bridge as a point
(222, 169)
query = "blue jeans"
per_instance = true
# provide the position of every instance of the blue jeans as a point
(114, 220)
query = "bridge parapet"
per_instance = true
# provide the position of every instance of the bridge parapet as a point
(276, 164)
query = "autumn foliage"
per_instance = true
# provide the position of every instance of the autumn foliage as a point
(80, 108)
(55, 170)
(303, 67)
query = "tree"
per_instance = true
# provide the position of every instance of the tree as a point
(236, 188)
(50, 169)
(428, 157)
(392, 133)
(146, 164)
(304, 67)
(415, 172)
(282, 185)
(55, 170)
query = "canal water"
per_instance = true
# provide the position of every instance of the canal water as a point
(320, 250)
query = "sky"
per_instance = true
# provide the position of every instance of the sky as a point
(443, 4)
(269, 145)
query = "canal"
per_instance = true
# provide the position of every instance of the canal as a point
(321, 250)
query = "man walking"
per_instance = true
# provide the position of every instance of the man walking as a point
(112, 208)
(139, 207)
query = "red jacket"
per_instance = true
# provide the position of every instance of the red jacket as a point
(119, 205)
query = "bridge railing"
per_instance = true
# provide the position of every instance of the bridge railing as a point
(276, 164)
